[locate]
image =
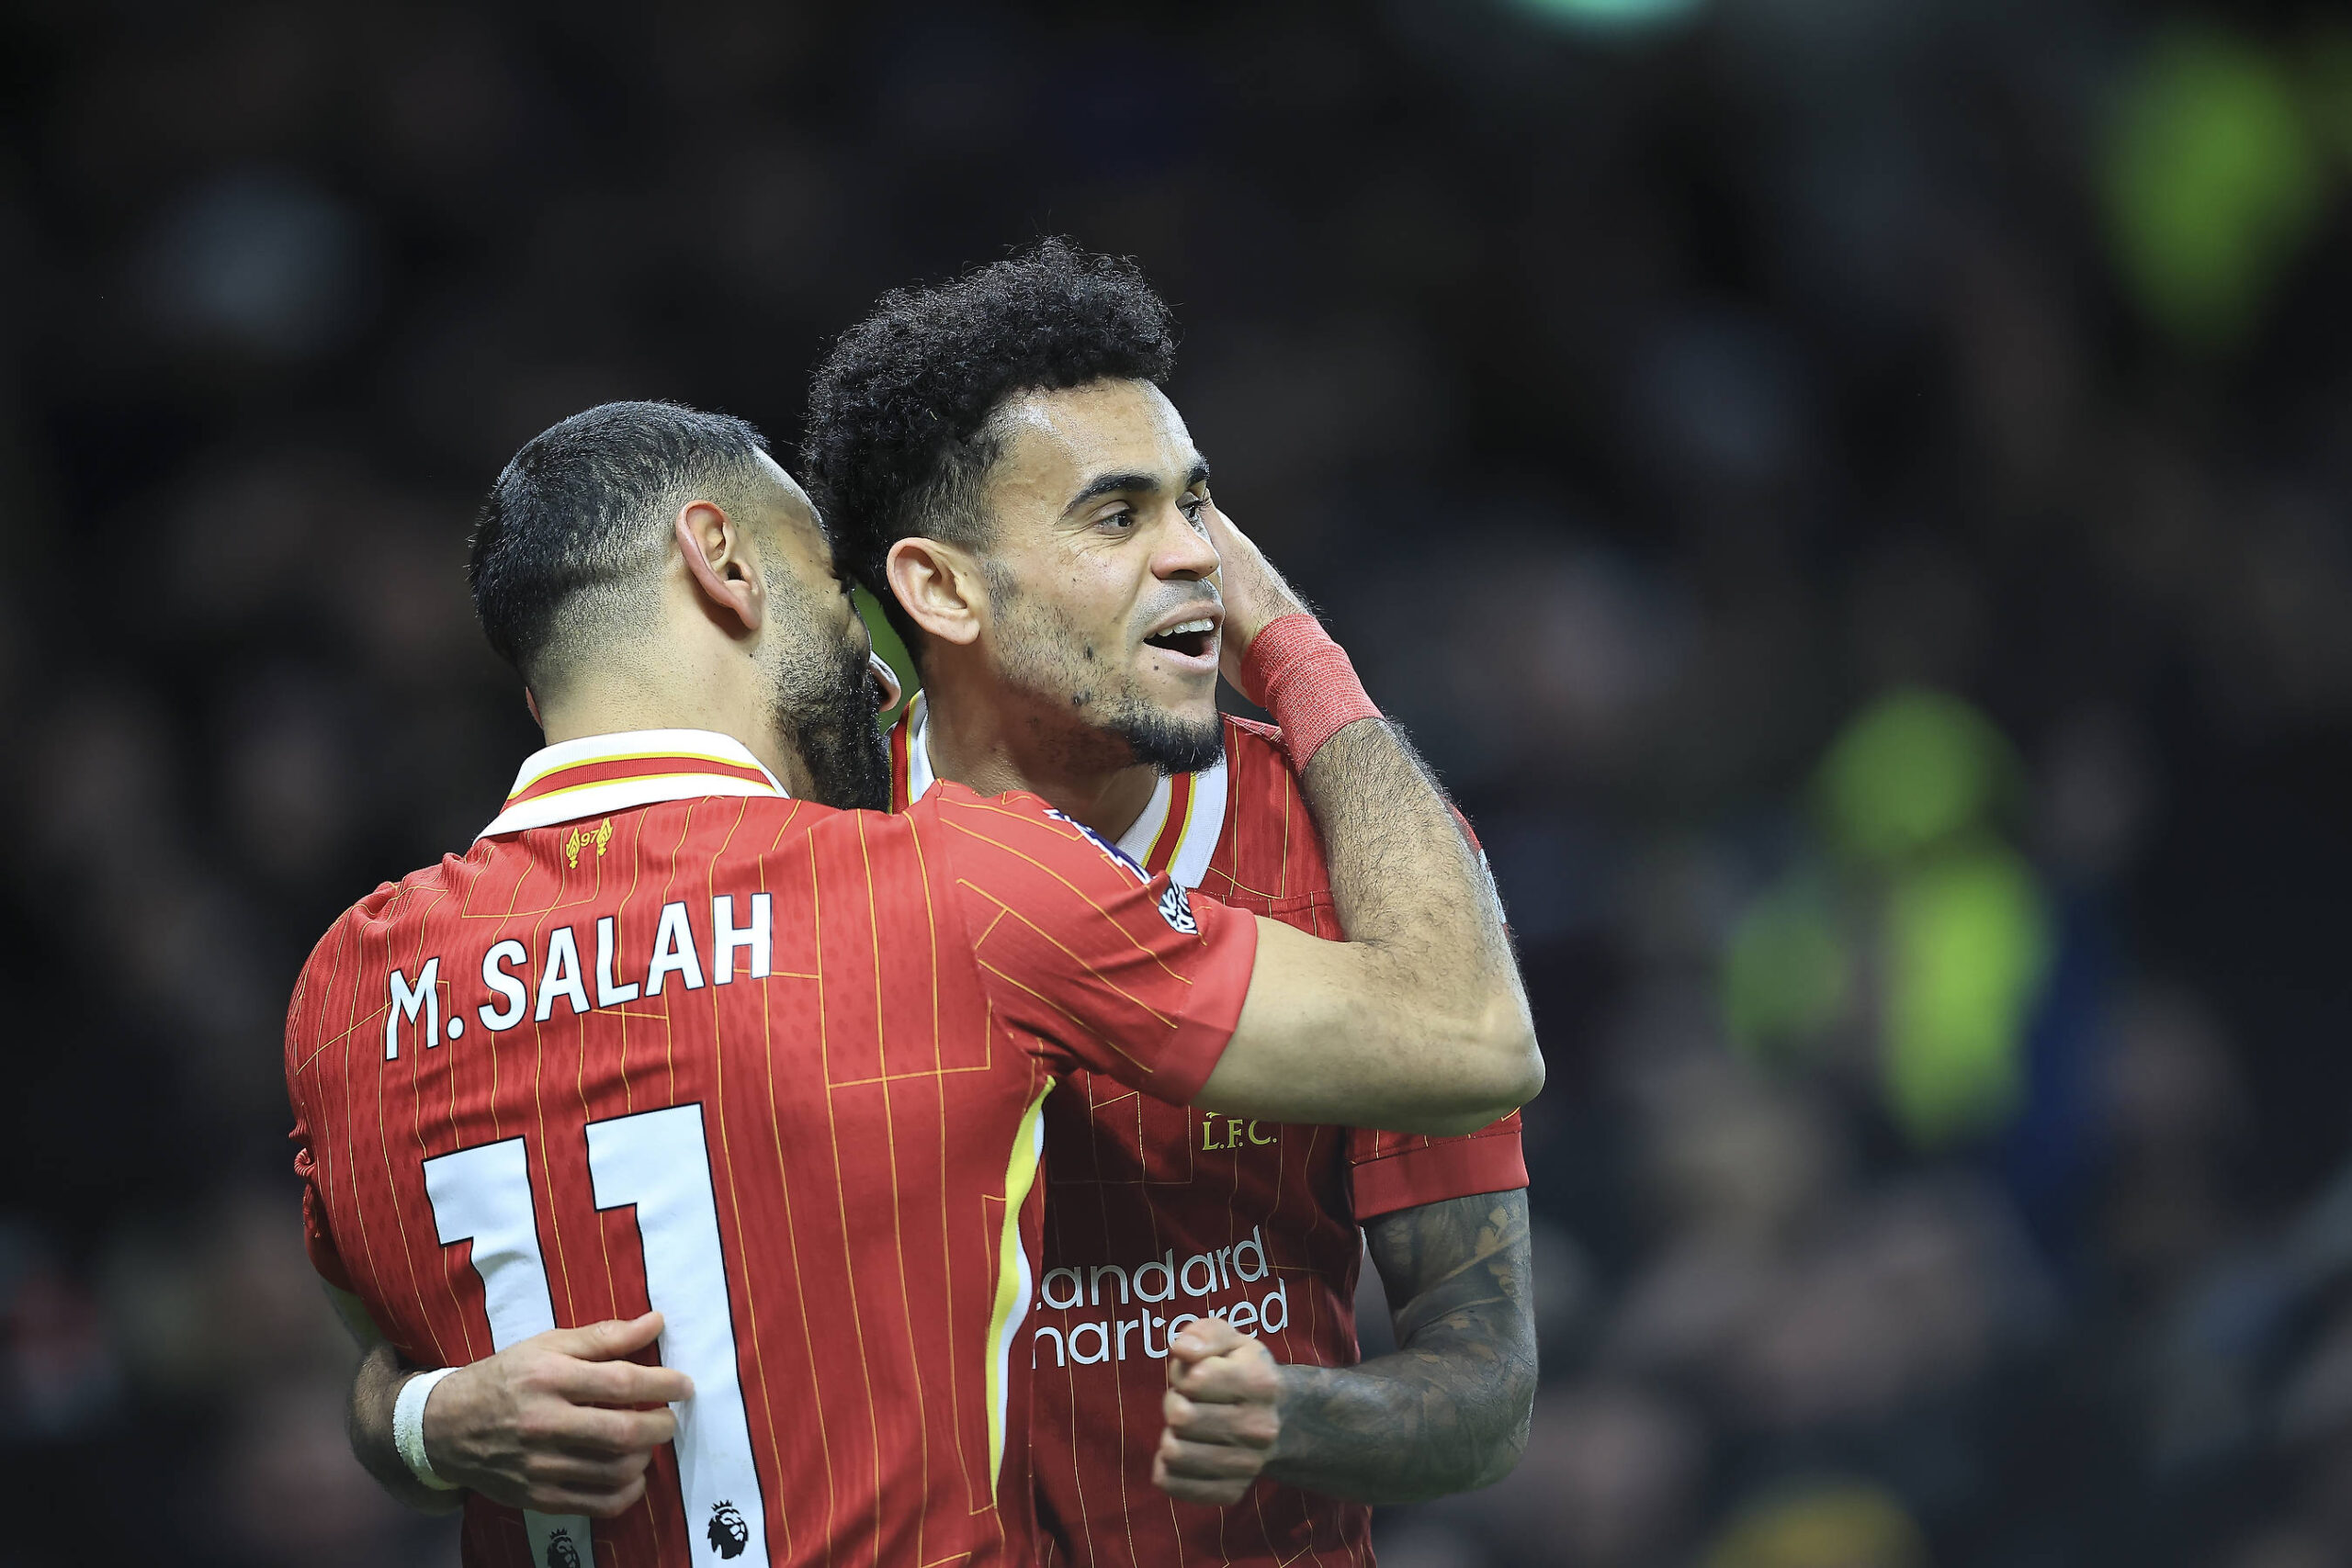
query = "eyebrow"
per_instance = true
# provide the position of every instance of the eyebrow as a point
(1115, 484)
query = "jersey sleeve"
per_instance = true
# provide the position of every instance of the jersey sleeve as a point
(1108, 969)
(1388, 1171)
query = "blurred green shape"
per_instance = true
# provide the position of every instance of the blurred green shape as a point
(1968, 946)
(1613, 16)
(1910, 771)
(893, 650)
(1911, 793)
(1786, 974)
(2212, 183)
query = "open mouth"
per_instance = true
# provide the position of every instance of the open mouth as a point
(1194, 639)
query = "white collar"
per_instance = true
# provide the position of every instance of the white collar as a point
(1182, 848)
(598, 774)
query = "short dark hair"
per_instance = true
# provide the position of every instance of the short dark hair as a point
(575, 530)
(899, 435)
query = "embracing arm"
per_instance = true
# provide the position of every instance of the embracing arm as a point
(1448, 1411)
(375, 1391)
(563, 1421)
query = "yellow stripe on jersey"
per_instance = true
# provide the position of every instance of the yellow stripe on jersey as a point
(600, 759)
(1012, 1282)
(1171, 833)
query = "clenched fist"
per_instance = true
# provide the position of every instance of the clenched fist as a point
(1223, 1411)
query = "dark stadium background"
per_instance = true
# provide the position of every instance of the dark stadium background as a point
(1852, 493)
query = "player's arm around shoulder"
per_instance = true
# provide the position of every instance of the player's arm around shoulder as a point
(1085, 957)
(1361, 1034)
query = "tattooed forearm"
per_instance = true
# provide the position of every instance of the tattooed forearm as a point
(1449, 1410)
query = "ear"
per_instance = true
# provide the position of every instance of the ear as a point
(532, 702)
(719, 560)
(939, 588)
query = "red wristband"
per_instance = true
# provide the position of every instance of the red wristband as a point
(1298, 674)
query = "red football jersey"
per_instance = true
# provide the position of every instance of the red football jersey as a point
(1156, 1214)
(666, 1037)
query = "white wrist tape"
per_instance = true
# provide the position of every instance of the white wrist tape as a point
(408, 1427)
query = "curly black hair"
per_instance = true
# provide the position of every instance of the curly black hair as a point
(899, 435)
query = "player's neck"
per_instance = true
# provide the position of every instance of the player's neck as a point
(616, 703)
(991, 743)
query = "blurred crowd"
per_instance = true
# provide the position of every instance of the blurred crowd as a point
(1851, 493)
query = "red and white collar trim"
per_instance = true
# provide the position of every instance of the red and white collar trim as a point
(1177, 831)
(599, 774)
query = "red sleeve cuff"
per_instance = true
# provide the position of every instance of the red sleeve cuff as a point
(1438, 1170)
(1219, 988)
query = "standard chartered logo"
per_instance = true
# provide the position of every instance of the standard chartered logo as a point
(1229, 1282)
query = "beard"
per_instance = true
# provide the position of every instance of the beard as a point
(1164, 741)
(828, 716)
(826, 697)
(1114, 725)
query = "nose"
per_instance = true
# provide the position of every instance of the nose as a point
(1186, 554)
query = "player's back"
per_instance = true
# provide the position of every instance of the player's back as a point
(733, 1059)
